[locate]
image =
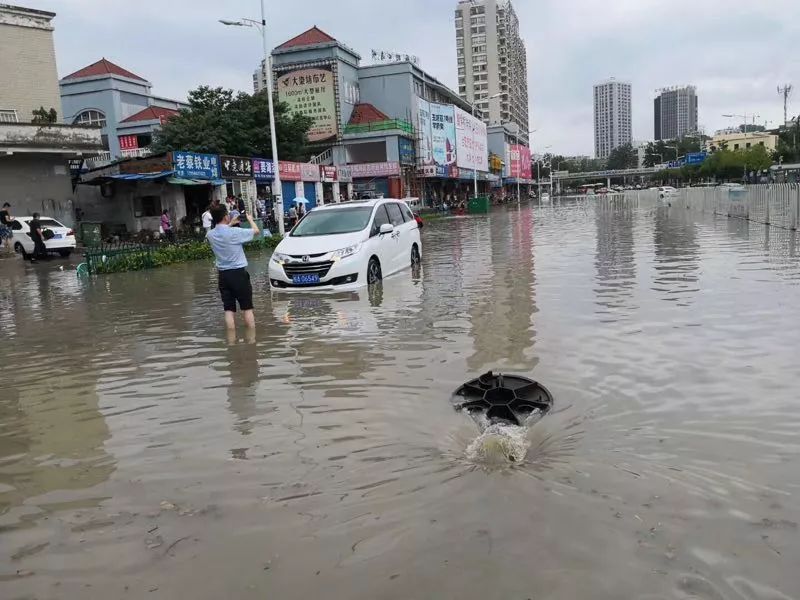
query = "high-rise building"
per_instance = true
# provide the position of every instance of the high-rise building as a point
(492, 61)
(675, 112)
(612, 116)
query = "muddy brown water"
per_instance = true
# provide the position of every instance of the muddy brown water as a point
(144, 455)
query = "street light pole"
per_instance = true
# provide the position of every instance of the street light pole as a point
(474, 171)
(277, 191)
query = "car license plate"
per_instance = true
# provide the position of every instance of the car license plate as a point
(305, 279)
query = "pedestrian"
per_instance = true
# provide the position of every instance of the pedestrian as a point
(6, 232)
(166, 226)
(292, 217)
(234, 280)
(39, 249)
(208, 220)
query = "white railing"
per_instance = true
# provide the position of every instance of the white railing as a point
(101, 159)
(770, 204)
(323, 158)
(135, 153)
(8, 115)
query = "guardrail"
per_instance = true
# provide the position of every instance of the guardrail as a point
(770, 204)
(393, 124)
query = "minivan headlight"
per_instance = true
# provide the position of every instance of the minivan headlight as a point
(279, 258)
(345, 252)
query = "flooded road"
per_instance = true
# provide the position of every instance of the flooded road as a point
(144, 455)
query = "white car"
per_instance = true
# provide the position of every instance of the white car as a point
(667, 191)
(62, 242)
(545, 198)
(347, 246)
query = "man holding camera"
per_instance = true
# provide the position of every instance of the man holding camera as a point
(227, 242)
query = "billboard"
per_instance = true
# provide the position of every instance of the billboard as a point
(424, 125)
(472, 151)
(311, 92)
(519, 159)
(443, 134)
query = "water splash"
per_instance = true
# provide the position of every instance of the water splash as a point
(499, 444)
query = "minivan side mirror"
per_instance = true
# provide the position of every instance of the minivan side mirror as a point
(387, 228)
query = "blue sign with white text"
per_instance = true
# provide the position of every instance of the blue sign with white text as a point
(407, 152)
(696, 158)
(191, 165)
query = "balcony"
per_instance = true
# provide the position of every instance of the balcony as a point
(380, 127)
(135, 153)
(74, 140)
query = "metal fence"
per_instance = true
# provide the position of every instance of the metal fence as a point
(770, 204)
(102, 257)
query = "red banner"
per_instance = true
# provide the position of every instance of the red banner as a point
(520, 162)
(128, 142)
(289, 171)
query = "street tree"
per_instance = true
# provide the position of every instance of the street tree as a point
(221, 122)
(42, 116)
(623, 157)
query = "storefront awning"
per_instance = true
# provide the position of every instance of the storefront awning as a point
(182, 181)
(139, 176)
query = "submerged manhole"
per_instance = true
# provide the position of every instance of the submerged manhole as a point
(503, 398)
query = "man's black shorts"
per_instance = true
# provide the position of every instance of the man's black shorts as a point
(234, 286)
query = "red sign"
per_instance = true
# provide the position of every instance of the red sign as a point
(128, 142)
(382, 169)
(519, 162)
(289, 171)
(328, 173)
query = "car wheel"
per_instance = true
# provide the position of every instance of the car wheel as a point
(64, 253)
(20, 249)
(374, 274)
(415, 257)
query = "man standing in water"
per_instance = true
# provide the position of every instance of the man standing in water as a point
(37, 235)
(234, 281)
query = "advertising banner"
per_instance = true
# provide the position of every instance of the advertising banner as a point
(128, 142)
(344, 174)
(263, 169)
(191, 165)
(236, 167)
(406, 151)
(424, 124)
(289, 171)
(443, 134)
(520, 161)
(381, 169)
(472, 151)
(311, 92)
(328, 173)
(309, 172)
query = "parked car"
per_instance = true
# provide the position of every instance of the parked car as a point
(343, 247)
(666, 191)
(62, 242)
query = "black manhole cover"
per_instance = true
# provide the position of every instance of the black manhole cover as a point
(499, 397)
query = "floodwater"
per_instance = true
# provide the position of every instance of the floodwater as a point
(144, 455)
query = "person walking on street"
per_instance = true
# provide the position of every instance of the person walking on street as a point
(292, 217)
(234, 281)
(208, 220)
(39, 249)
(166, 225)
(6, 232)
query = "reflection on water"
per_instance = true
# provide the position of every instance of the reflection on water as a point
(140, 446)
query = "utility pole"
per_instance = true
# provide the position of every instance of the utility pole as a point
(785, 91)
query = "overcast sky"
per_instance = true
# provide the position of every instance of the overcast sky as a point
(735, 51)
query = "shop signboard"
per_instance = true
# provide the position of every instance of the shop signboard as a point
(520, 161)
(380, 169)
(344, 174)
(439, 172)
(263, 168)
(151, 164)
(289, 171)
(424, 126)
(236, 167)
(406, 150)
(472, 151)
(327, 173)
(309, 172)
(312, 92)
(443, 134)
(191, 165)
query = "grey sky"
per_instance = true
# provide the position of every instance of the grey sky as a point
(735, 51)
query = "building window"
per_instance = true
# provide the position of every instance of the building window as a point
(147, 206)
(479, 39)
(90, 117)
(8, 115)
(459, 42)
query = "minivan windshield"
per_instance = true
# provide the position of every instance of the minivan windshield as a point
(332, 222)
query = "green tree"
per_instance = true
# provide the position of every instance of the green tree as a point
(42, 116)
(623, 157)
(788, 149)
(220, 122)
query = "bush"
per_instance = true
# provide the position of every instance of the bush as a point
(169, 254)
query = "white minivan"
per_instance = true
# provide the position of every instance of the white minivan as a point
(344, 247)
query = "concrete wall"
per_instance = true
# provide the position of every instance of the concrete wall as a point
(119, 208)
(28, 73)
(392, 94)
(37, 183)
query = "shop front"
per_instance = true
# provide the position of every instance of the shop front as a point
(199, 176)
(312, 184)
(330, 184)
(345, 177)
(264, 174)
(291, 183)
(237, 171)
(377, 180)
